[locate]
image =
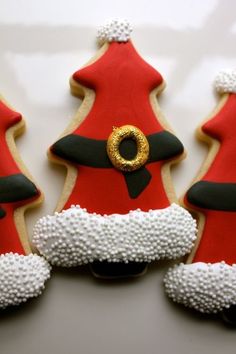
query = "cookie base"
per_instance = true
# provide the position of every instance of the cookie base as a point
(109, 270)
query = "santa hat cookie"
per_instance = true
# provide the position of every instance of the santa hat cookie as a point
(117, 209)
(22, 274)
(207, 282)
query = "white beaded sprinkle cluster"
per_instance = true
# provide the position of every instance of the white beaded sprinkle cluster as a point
(116, 30)
(225, 81)
(21, 277)
(206, 287)
(75, 237)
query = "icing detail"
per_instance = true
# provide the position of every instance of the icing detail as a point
(75, 237)
(120, 79)
(113, 143)
(212, 195)
(110, 270)
(16, 190)
(21, 278)
(206, 287)
(92, 152)
(117, 30)
(2, 213)
(229, 315)
(137, 181)
(225, 81)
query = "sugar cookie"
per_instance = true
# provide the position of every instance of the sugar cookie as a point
(207, 282)
(117, 215)
(22, 274)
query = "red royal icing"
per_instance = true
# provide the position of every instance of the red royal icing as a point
(122, 81)
(9, 236)
(218, 240)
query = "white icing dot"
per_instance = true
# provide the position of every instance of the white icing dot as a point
(225, 81)
(75, 237)
(208, 288)
(21, 277)
(117, 30)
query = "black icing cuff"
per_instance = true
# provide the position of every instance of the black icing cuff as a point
(15, 188)
(213, 196)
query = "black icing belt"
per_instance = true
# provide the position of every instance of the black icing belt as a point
(2, 213)
(213, 195)
(15, 188)
(92, 153)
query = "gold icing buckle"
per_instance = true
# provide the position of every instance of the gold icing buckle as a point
(113, 143)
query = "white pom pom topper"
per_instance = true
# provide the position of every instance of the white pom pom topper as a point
(225, 81)
(116, 30)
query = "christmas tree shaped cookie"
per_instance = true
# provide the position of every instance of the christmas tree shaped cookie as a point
(117, 209)
(208, 281)
(22, 274)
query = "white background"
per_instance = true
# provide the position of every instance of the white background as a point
(41, 44)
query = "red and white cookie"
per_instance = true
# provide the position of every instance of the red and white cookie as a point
(207, 282)
(117, 210)
(22, 274)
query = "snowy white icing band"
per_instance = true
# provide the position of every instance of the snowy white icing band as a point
(21, 277)
(225, 81)
(75, 237)
(208, 288)
(116, 30)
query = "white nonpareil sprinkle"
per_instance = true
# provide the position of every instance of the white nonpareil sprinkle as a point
(21, 277)
(75, 237)
(206, 287)
(116, 30)
(225, 81)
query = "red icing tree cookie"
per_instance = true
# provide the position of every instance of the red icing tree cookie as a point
(22, 273)
(208, 280)
(118, 151)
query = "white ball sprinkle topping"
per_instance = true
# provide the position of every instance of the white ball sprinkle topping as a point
(75, 237)
(116, 30)
(21, 277)
(225, 81)
(206, 287)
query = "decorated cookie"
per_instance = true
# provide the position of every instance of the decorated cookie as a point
(117, 211)
(22, 274)
(207, 282)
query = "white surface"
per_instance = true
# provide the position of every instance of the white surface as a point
(42, 44)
